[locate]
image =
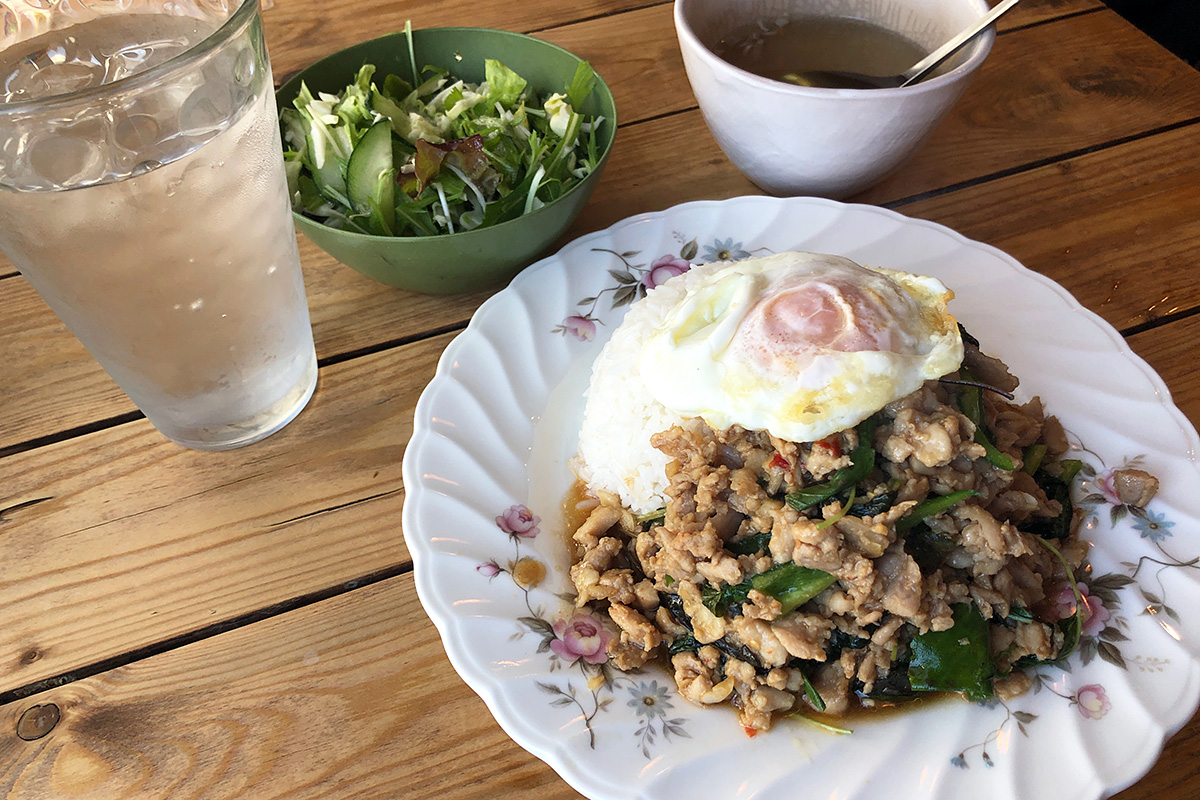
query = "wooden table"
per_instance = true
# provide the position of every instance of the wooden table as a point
(244, 625)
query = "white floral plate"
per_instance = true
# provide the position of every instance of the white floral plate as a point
(486, 473)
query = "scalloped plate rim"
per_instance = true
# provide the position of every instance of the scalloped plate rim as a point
(555, 753)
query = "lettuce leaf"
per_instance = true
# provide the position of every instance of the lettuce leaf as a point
(504, 85)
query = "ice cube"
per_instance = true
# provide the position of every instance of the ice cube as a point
(206, 110)
(64, 160)
(49, 72)
(137, 133)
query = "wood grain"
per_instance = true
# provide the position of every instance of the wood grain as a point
(1030, 12)
(299, 32)
(1023, 107)
(1084, 221)
(1171, 351)
(137, 540)
(348, 698)
(1138, 200)
(142, 541)
(53, 384)
(1081, 222)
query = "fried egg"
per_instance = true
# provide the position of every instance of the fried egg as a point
(801, 345)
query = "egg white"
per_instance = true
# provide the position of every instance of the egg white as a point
(722, 355)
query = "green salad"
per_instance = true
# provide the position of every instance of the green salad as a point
(391, 159)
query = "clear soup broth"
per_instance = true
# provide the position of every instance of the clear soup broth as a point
(805, 45)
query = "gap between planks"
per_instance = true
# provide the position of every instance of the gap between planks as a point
(338, 358)
(345, 587)
(207, 631)
(134, 416)
(1043, 162)
(309, 598)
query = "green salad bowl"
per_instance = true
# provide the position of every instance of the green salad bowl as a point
(464, 261)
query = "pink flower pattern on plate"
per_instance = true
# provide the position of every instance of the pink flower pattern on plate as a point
(1092, 701)
(519, 522)
(582, 636)
(581, 328)
(490, 568)
(1095, 615)
(1104, 482)
(663, 269)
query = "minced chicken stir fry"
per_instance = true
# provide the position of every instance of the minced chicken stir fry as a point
(913, 553)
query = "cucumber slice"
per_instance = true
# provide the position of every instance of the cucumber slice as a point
(370, 175)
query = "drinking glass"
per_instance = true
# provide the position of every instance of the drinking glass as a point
(142, 193)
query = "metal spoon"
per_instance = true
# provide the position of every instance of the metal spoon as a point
(837, 79)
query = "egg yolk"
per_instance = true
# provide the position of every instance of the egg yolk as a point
(799, 320)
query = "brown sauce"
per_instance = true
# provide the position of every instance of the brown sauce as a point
(858, 713)
(575, 511)
(818, 44)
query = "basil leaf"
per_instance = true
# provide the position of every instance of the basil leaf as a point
(757, 543)
(814, 697)
(719, 599)
(970, 401)
(1058, 527)
(955, 660)
(683, 644)
(874, 506)
(791, 584)
(932, 508)
(862, 461)
(930, 550)
(1033, 458)
(1018, 614)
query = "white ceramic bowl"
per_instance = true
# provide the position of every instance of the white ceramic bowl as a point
(793, 140)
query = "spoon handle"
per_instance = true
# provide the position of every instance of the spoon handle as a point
(918, 70)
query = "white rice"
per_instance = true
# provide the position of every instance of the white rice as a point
(620, 416)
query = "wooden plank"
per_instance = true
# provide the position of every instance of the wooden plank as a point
(1022, 106)
(1082, 222)
(1117, 228)
(299, 32)
(292, 36)
(136, 540)
(351, 697)
(53, 384)
(637, 54)
(1029, 12)
(141, 542)
(1171, 351)
(1138, 210)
